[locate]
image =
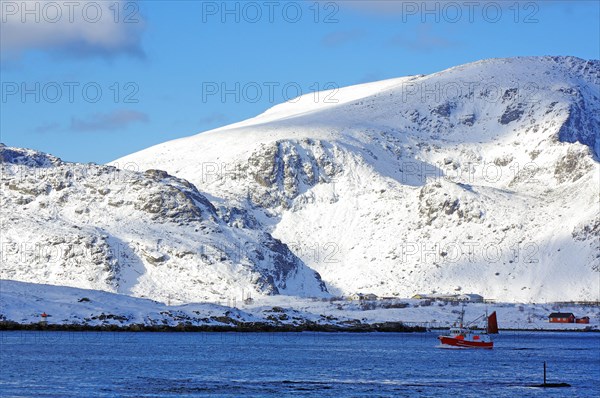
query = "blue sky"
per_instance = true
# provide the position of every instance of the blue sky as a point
(91, 87)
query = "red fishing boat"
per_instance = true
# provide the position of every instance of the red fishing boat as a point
(462, 336)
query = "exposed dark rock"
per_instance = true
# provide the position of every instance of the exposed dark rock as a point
(468, 120)
(583, 124)
(444, 110)
(572, 166)
(512, 113)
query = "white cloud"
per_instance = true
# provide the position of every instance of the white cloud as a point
(114, 120)
(423, 40)
(80, 28)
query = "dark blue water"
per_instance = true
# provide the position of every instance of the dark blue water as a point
(89, 364)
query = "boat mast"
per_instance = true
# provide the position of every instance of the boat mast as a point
(487, 320)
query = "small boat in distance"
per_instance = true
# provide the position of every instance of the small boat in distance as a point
(462, 336)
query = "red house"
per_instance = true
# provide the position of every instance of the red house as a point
(561, 317)
(585, 319)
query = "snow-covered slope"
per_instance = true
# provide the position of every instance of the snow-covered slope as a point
(482, 178)
(141, 234)
(24, 303)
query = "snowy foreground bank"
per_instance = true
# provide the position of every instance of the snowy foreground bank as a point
(22, 304)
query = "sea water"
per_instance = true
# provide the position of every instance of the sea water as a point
(94, 364)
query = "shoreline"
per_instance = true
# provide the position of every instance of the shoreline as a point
(253, 327)
(385, 327)
(27, 306)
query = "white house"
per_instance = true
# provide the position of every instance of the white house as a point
(472, 298)
(363, 296)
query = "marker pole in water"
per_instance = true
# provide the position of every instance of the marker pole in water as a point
(544, 372)
(550, 385)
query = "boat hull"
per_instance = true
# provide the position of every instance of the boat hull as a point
(454, 342)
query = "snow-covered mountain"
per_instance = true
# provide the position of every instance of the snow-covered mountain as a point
(141, 234)
(483, 178)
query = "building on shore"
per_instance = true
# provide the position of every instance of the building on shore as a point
(561, 317)
(363, 297)
(469, 297)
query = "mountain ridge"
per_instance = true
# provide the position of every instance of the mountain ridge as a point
(143, 234)
(408, 163)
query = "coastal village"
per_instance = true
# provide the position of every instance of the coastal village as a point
(430, 311)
